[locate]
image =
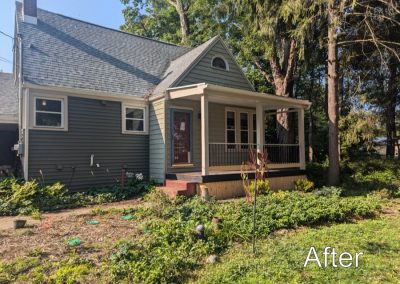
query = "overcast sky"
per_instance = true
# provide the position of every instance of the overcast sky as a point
(106, 13)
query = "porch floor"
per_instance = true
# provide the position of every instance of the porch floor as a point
(216, 176)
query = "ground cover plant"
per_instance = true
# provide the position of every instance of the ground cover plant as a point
(174, 241)
(27, 197)
(171, 248)
(280, 258)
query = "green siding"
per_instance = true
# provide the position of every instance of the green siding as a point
(157, 140)
(203, 72)
(196, 133)
(94, 128)
(216, 114)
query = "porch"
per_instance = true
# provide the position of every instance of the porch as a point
(211, 130)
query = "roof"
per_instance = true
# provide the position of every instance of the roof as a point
(8, 99)
(64, 52)
(178, 67)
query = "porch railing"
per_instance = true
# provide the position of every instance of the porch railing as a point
(233, 154)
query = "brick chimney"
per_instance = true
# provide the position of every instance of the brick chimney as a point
(29, 8)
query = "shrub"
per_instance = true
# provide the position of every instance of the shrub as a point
(19, 197)
(304, 185)
(262, 187)
(328, 191)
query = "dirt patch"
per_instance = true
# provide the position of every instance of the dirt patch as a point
(51, 236)
(6, 222)
(393, 209)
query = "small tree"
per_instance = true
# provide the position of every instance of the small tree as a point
(258, 162)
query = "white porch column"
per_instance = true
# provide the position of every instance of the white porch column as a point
(302, 148)
(260, 127)
(204, 135)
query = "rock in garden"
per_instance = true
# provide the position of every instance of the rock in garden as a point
(212, 259)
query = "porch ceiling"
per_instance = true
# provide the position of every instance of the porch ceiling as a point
(232, 96)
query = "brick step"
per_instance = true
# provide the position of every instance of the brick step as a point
(181, 184)
(173, 188)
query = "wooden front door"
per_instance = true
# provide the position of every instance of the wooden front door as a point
(181, 136)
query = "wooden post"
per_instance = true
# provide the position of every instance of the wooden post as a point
(302, 148)
(260, 127)
(204, 135)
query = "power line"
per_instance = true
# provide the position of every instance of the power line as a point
(5, 60)
(1, 32)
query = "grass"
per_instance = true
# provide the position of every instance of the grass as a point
(281, 259)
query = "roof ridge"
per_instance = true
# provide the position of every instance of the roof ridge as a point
(112, 29)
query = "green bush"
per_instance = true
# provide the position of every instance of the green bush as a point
(262, 187)
(20, 197)
(303, 184)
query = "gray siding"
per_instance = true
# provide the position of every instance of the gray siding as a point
(157, 140)
(203, 72)
(94, 128)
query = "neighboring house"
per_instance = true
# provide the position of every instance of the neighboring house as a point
(96, 101)
(8, 124)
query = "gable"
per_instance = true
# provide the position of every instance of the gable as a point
(203, 72)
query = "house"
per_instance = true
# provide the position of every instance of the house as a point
(8, 124)
(98, 102)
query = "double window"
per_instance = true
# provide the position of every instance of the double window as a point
(240, 128)
(133, 119)
(49, 112)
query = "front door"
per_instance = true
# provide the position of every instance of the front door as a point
(181, 136)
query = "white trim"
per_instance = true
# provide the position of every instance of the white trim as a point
(228, 94)
(26, 106)
(145, 109)
(223, 58)
(30, 19)
(204, 135)
(89, 94)
(302, 148)
(52, 97)
(36, 111)
(8, 119)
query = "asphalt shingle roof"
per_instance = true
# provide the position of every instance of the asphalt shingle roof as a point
(65, 52)
(8, 98)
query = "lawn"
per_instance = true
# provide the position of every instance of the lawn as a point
(281, 257)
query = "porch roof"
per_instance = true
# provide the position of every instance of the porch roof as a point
(232, 96)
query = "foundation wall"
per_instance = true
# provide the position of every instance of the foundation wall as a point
(231, 189)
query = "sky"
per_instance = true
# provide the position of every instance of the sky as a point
(106, 13)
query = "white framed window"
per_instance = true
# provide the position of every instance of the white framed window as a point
(49, 112)
(134, 119)
(240, 127)
(244, 129)
(254, 128)
(220, 63)
(230, 128)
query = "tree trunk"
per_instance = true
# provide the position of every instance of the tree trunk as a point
(282, 73)
(390, 110)
(334, 169)
(183, 20)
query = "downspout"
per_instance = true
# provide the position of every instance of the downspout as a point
(23, 131)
